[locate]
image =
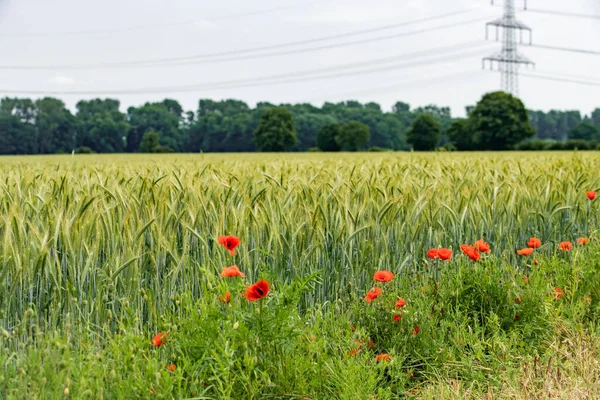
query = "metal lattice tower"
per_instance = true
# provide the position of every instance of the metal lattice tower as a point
(508, 60)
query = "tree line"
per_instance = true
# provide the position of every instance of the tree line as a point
(47, 126)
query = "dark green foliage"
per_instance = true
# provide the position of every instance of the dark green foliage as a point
(377, 149)
(276, 131)
(326, 138)
(55, 126)
(84, 150)
(217, 133)
(161, 118)
(353, 136)
(425, 133)
(17, 137)
(150, 143)
(308, 125)
(578, 144)
(448, 147)
(163, 149)
(538, 144)
(459, 135)
(499, 122)
(554, 124)
(229, 125)
(556, 146)
(595, 117)
(101, 126)
(585, 131)
(441, 114)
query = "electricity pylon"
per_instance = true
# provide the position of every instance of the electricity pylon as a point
(508, 60)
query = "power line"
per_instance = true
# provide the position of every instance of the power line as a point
(206, 58)
(165, 25)
(403, 85)
(318, 48)
(563, 13)
(569, 49)
(559, 79)
(568, 76)
(257, 81)
(561, 75)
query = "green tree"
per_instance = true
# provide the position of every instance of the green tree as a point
(442, 114)
(276, 130)
(353, 136)
(326, 138)
(101, 126)
(24, 109)
(215, 132)
(56, 128)
(308, 125)
(150, 143)
(425, 133)
(595, 117)
(585, 131)
(16, 136)
(460, 135)
(164, 118)
(499, 122)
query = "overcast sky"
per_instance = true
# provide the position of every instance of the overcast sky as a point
(415, 68)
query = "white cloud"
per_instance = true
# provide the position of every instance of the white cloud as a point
(61, 80)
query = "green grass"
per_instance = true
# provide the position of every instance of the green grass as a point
(99, 253)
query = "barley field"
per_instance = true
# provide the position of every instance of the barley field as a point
(98, 254)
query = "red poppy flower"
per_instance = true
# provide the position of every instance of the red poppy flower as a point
(159, 339)
(225, 298)
(525, 252)
(257, 291)
(591, 195)
(518, 300)
(397, 317)
(482, 246)
(582, 241)
(565, 246)
(432, 253)
(526, 279)
(473, 254)
(371, 345)
(352, 326)
(385, 357)
(465, 248)
(416, 330)
(172, 367)
(445, 254)
(535, 262)
(400, 303)
(383, 276)
(232, 271)
(373, 294)
(516, 317)
(230, 243)
(558, 293)
(534, 243)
